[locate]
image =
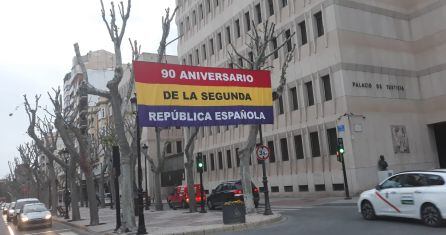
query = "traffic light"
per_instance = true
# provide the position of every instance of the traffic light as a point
(340, 150)
(200, 163)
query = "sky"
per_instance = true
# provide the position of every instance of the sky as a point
(36, 51)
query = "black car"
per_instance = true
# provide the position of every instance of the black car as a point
(230, 191)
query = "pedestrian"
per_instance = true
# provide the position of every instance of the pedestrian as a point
(97, 199)
(382, 164)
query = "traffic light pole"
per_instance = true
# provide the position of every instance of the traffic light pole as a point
(202, 209)
(344, 172)
(265, 180)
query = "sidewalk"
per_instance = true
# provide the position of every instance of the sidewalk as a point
(172, 221)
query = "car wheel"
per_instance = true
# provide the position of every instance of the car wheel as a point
(210, 205)
(185, 205)
(431, 216)
(367, 210)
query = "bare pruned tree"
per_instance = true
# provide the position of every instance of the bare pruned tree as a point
(262, 38)
(191, 134)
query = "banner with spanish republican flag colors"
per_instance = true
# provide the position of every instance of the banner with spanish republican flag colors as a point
(179, 95)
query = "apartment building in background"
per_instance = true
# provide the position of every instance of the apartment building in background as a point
(370, 72)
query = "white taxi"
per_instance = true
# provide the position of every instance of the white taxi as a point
(415, 194)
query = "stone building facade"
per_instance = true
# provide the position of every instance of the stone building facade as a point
(371, 72)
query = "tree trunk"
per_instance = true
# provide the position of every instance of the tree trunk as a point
(101, 187)
(189, 165)
(53, 187)
(92, 201)
(72, 174)
(245, 173)
(158, 200)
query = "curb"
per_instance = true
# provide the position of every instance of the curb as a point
(82, 227)
(234, 227)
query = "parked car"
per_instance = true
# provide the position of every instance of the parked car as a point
(180, 196)
(415, 194)
(34, 215)
(10, 213)
(19, 206)
(230, 191)
(107, 199)
(5, 208)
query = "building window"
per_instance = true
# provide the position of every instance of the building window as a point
(181, 28)
(240, 62)
(200, 10)
(319, 23)
(229, 158)
(231, 65)
(216, 3)
(228, 34)
(303, 33)
(274, 44)
(187, 23)
(303, 188)
(212, 161)
(210, 130)
(168, 148)
(237, 157)
(190, 59)
(274, 189)
(338, 187)
(208, 3)
(289, 43)
(284, 149)
(220, 160)
(298, 147)
(314, 141)
(332, 140)
(179, 147)
(220, 43)
(288, 188)
(205, 168)
(327, 87)
(271, 7)
(247, 21)
(204, 52)
(280, 104)
(194, 17)
(211, 46)
(218, 129)
(184, 61)
(293, 95)
(272, 157)
(284, 3)
(319, 187)
(258, 13)
(237, 28)
(310, 97)
(197, 56)
(251, 56)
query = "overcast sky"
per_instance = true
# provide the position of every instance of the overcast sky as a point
(36, 51)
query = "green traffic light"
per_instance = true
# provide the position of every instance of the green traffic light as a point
(200, 164)
(341, 151)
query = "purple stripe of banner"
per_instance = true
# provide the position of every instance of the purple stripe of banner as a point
(163, 116)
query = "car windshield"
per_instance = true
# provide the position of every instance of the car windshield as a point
(19, 205)
(34, 208)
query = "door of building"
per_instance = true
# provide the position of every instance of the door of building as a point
(440, 139)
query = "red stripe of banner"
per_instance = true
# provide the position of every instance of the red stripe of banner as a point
(387, 202)
(148, 72)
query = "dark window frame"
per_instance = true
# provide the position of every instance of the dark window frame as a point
(258, 11)
(228, 158)
(310, 93)
(237, 28)
(299, 147)
(211, 156)
(272, 157)
(294, 99)
(303, 33)
(315, 145)
(220, 160)
(327, 87)
(284, 149)
(271, 7)
(319, 23)
(332, 140)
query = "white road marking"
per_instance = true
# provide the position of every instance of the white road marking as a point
(52, 231)
(11, 232)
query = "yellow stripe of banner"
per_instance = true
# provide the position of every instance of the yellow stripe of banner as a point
(184, 95)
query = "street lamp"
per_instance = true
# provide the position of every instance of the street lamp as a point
(145, 148)
(141, 222)
(265, 180)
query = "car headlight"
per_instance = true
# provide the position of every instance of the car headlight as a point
(24, 218)
(48, 216)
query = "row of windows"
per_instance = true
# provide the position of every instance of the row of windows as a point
(200, 12)
(195, 57)
(308, 90)
(297, 143)
(178, 144)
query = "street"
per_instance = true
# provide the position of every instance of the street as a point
(57, 229)
(338, 219)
